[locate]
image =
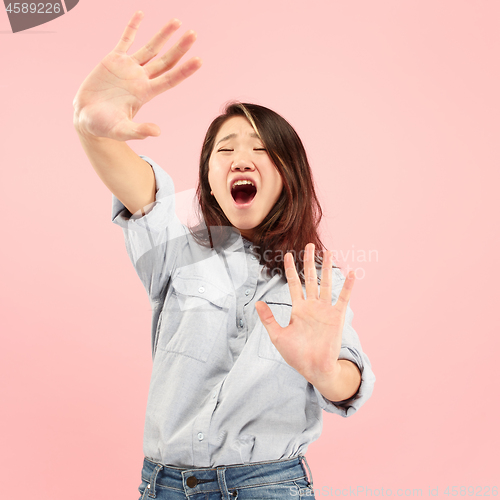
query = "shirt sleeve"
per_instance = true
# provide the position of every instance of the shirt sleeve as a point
(351, 350)
(152, 239)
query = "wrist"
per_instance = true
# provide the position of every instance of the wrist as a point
(340, 383)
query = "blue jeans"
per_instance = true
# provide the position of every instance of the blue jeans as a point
(276, 480)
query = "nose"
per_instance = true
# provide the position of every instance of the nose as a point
(242, 165)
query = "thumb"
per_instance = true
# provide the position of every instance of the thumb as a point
(267, 318)
(128, 130)
(144, 130)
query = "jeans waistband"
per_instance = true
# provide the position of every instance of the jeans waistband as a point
(198, 480)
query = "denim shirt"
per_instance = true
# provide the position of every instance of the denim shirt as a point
(220, 392)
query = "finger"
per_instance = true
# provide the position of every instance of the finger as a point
(325, 288)
(294, 284)
(172, 56)
(267, 318)
(345, 293)
(129, 34)
(176, 76)
(311, 277)
(153, 47)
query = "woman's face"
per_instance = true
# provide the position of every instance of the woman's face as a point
(242, 177)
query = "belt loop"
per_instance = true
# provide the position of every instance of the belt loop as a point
(152, 488)
(221, 478)
(302, 458)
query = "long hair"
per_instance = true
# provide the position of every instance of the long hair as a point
(294, 219)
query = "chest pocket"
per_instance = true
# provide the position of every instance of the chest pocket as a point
(194, 315)
(281, 308)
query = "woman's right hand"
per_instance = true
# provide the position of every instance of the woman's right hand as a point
(115, 90)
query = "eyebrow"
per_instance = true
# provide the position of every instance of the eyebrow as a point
(231, 136)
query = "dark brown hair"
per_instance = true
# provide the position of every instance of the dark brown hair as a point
(293, 221)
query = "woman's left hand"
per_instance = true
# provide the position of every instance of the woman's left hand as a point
(311, 342)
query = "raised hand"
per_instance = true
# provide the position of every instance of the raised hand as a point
(115, 90)
(311, 342)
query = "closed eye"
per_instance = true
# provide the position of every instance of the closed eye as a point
(255, 149)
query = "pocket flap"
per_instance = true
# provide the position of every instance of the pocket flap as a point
(196, 287)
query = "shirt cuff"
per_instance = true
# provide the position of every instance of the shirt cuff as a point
(349, 406)
(158, 214)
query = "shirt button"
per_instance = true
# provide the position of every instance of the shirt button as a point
(247, 292)
(241, 322)
(200, 436)
(253, 257)
(201, 289)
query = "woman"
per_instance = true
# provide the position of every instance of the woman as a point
(244, 360)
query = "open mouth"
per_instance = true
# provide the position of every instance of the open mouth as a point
(243, 192)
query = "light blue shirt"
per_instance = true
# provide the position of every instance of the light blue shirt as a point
(220, 392)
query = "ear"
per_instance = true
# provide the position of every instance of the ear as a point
(212, 193)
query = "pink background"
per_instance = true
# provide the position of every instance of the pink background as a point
(397, 103)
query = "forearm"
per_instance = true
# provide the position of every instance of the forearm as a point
(341, 385)
(127, 176)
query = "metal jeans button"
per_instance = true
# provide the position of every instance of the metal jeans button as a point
(191, 481)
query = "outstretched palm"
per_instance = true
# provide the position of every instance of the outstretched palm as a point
(115, 90)
(311, 342)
